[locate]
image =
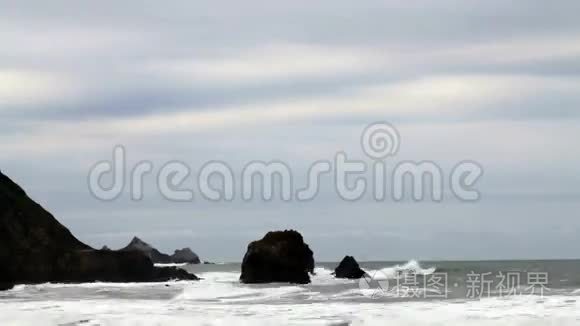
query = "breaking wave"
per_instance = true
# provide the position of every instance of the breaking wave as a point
(393, 272)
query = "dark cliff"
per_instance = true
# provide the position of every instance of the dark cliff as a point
(36, 248)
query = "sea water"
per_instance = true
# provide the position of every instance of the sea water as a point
(395, 293)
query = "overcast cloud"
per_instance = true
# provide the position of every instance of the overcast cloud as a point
(494, 82)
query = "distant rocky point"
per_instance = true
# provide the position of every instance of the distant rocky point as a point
(280, 256)
(36, 248)
(182, 256)
(185, 255)
(141, 246)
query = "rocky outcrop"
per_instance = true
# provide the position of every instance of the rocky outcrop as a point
(280, 256)
(6, 286)
(349, 268)
(155, 255)
(183, 256)
(36, 248)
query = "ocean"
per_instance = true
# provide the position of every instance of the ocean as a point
(396, 293)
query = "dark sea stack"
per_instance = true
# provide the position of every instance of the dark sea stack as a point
(185, 256)
(349, 268)
(280, 256)
(106, 248)
(36, 248)
(6, 286)
(155, 255)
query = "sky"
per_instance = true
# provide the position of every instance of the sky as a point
(493, 82)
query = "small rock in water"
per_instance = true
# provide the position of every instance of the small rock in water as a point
(349, 268)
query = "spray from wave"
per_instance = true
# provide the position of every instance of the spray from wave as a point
(398, 271)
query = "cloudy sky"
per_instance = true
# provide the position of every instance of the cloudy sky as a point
(489, 81)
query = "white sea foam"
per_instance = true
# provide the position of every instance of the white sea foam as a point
(393, 272)
(324, 276)
(225, 287)
(171, 265)
(94, 285)
(557, 310)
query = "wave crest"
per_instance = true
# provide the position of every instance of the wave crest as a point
(394, 272)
